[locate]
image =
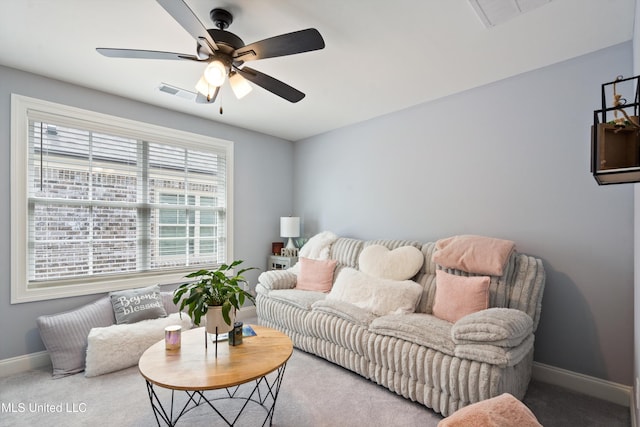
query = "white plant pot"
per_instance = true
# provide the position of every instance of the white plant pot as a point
(214, 318)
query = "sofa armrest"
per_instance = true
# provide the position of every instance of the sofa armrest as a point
(277, 279)
(501, 327)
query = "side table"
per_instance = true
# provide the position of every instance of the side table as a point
(277, 262)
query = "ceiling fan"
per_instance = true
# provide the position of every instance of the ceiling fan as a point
(225, 54)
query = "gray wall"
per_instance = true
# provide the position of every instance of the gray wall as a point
(510, 160)
(257, 208)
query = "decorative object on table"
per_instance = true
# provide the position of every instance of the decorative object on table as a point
(247, 331)
(289, 227)
(615, 144)
(172, 337)
(300, 241)
(235, 335)
(276, 248)
(290, 253)
(214, 294)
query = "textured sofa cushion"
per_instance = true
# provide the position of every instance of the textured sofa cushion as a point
(379, 296)
(419, 328)
(399, 264)
(344, 310)
(458, 296)
(134, 305)
(493, 354)
(297, 298)
(315, 275)
(117, 347)
(474, 254)
(504, 327)
(277, 279)
(65, 334)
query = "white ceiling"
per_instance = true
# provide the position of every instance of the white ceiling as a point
(381, 56)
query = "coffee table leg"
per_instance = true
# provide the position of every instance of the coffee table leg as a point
(269, 392)
(158, 409)
(272, 390)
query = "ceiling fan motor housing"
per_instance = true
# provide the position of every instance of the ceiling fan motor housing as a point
(226, 41)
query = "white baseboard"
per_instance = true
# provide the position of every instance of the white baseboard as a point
(585, 384)
(15, 365)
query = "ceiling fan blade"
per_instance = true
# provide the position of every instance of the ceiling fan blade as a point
(179, 10)
(271, 84)
(144, 54)
(284, 44)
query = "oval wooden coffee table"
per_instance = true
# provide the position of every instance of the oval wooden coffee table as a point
(195, 370)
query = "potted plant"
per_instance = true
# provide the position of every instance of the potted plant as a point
(215, 292)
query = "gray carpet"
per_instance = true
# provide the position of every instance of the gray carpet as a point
(314, 393)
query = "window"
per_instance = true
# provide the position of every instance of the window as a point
(102, 203)
(187, 232)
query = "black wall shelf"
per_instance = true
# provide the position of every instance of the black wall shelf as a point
(615, 146)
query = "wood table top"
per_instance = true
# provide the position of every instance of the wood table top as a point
(194, 367)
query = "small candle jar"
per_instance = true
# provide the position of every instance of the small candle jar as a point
(172, 337)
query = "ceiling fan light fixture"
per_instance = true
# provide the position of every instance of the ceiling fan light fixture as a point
(239, 85)
(215, 73)
(205, 88)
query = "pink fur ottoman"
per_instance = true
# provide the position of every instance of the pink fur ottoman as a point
(501, 411)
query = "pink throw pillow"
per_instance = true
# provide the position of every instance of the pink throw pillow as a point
(457, 296)
(474, 254)
(315, 275)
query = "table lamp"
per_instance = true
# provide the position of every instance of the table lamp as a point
(290, 227)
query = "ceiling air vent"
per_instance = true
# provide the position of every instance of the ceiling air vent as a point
(172, 90)
(494, 12)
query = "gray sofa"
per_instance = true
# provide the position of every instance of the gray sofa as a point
(439, 364)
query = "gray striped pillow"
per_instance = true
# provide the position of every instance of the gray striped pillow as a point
(65, 334)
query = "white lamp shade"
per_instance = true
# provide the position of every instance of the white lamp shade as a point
(290, 226)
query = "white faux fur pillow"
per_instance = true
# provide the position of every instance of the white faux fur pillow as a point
(399, 264)
(376, 295)
(118, 347)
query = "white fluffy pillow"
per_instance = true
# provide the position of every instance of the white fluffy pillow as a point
(399, 264)
(376, 295)
(118, 347)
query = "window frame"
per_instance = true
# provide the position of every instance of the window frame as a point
(21, 107)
